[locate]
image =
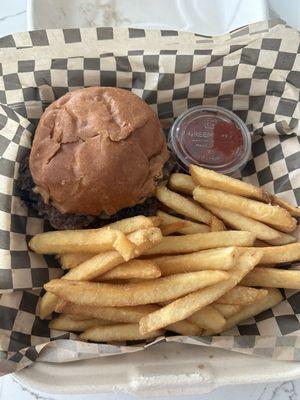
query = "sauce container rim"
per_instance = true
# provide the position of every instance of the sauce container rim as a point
(175, 132)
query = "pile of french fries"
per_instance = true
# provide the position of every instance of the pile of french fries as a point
(204, 263)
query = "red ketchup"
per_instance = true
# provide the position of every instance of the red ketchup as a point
(211, 137)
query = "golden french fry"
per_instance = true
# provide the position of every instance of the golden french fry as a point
(117, 333)
(114, 314)
(208, 318)
(95, 266)
(214, 180)
(278, 254)
(284, 239)
(220, 259)
(75, 317)
(71, 260)
(272, 215)
(65, 323)
(129, 225)
(273, 277)
(182, 183)
(242, 296)
(46, 305)
(238, 221)
(143, 239)
(101, 263)
(141, 269)
(272, 299)
(184, 307)
(89, 240)
(294, 211)
(185, 328)
(201, 241)
(194, 227)
(76, 241)
(147, 292)
(182, 205)
(227, 310)
(281, 254)
(125, 247)
(217, 225)
(173, 227)
(191, 227)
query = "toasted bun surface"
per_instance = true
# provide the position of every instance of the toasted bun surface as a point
(97, 150)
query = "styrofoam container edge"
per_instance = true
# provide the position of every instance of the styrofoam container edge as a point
(164, 369)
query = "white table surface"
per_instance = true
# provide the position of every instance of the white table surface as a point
(12, 19)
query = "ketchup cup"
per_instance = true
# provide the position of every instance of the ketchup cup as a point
(211, 137)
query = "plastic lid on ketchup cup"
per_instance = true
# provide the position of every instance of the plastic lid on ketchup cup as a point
(211, 137)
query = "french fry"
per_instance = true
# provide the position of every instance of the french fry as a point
(115, 314)
(71, 260)
(220, 259)
(117, 333)
(90, 240)
(294, 211)
(217, 225)
(184, 307)
(46, 305)
(272, 215)
(80, 241)
(284, 239)
(242, 296)
(208, 318)
(181, 183)
(272, 299)
(147, 292)
(261, 231)
(273, 277)
(191, 227)
(101, 263)
(173, 227)
(124, 246)
(65, 323)
(214, 180)
(185, 328)
(201, 241)
(183, 205)
(129, 225)
(281, 254)
(227, 310)
(78, 317)
(141, 269)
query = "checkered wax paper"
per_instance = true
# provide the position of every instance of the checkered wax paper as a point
(254, 71)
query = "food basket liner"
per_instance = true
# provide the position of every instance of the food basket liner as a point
(254, 71)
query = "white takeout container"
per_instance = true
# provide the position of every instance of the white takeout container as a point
(212, 17)
(166, 368)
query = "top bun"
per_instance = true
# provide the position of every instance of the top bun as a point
(97, 150)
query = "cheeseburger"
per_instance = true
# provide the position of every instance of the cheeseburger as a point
(97, 153)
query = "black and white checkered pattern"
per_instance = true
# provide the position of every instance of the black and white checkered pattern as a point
(254, 71)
